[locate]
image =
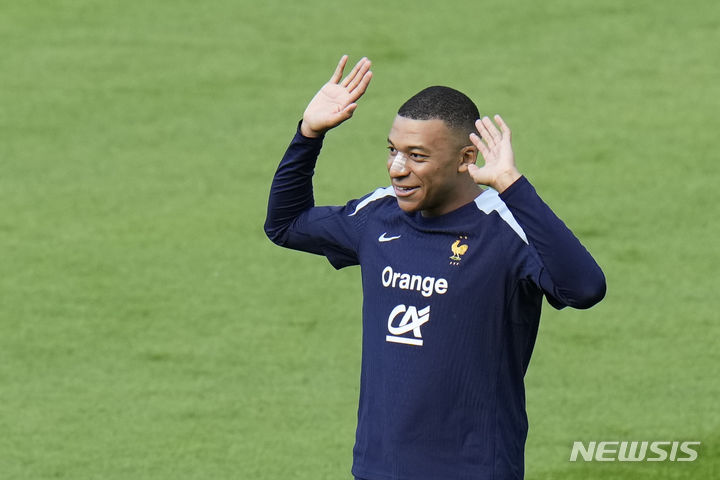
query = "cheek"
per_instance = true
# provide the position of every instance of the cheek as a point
(440, 181)
(430, 175)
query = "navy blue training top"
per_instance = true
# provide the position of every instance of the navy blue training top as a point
(451, 306)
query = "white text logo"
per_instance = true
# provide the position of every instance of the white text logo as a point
(404, 281)
(635, 451)
(412, 320)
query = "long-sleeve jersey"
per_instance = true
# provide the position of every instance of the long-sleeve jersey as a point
(451, 307)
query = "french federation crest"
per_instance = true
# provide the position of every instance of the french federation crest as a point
(458, 249)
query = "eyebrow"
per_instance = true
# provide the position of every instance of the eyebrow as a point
(411, 147)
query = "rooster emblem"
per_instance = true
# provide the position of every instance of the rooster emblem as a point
(457, 249)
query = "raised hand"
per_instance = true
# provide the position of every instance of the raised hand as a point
(499, 171)
(335, 102)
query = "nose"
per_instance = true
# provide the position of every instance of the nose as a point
(397, 166)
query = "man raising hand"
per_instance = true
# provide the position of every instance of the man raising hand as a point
(453, 277)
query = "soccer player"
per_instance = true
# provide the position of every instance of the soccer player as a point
(453, 277)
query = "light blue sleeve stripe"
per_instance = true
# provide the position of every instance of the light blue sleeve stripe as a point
(490, 201)
(376, 195)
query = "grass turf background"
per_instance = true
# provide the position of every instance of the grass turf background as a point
(149, 330)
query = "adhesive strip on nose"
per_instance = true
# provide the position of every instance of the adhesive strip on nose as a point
(398, 164)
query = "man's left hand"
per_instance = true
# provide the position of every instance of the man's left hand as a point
(499, 171)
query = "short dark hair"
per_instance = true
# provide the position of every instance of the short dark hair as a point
(443, 103)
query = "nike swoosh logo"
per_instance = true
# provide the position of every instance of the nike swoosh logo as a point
(383, 238)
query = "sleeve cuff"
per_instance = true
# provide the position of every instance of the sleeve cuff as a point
(518, 185)
(299, 137)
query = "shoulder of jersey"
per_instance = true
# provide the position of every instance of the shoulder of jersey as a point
(490, 202)
(375, 199)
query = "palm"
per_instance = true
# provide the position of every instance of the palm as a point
(328, 103)
(498, 156)
(496, 149)
(335, 102)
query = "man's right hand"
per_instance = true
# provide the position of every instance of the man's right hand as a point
(335, 102)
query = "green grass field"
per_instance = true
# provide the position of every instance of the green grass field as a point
(149, 330)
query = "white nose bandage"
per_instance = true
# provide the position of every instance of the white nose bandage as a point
(398, 164)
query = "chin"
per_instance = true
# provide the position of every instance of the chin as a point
(408, 207)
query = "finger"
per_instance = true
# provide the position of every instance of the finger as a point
(337, 75)
(484, 133)
(362, 86)
(490, 126)
(346, 81)
(477, 141)
(355, 80)
(359, 75)
(506, 133)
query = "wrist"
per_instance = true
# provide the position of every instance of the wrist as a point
(308, 132)
(505, 179)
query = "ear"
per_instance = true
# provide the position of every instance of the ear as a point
(468, 155)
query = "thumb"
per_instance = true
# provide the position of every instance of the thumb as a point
(343, 114)
(475, 172)
(339, 116)
(348, 111)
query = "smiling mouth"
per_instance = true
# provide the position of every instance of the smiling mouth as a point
(404, 191)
